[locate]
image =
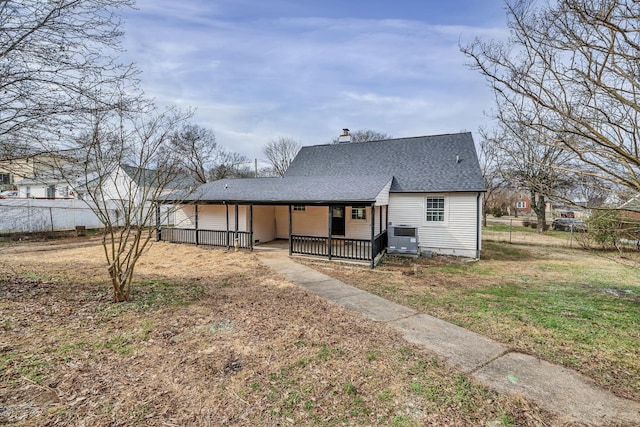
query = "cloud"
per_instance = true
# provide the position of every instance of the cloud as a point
(305, 77)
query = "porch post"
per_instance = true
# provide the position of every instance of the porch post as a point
(251, 226)
(386, 222)
(196, 222)
(226, 206)
(373, 233)
(330, 229)
(235, 232)
(290, 232)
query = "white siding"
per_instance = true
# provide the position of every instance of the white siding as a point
(214, 217)
(358, 228)
(455, 236)
(264, 223)
(313, 221)
(383, 197)
(185, 217)
(282, 222)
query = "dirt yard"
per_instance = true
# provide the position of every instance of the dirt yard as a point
(211, 338)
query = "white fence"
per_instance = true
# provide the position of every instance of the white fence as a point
(33, 215)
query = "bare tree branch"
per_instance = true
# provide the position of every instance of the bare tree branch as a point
(57, 62)
(280, 152)
(577, 64)
(364, 135)
(122, 168)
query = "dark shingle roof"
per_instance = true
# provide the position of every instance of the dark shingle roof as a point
(439, 163)
(289, 190)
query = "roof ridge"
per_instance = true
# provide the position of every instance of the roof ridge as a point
(330, 144)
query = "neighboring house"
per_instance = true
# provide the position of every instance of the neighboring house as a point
(631, 208)
(45, 188)
(522, 205)
(14, 170)
(339, 200)
(123, 183)
(128, 188)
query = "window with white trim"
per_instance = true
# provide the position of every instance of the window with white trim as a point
(434, 209)
(521, 205)
(358, 212)
(299, 208)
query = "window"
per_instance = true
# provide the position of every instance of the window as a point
(299, 208)
(358, 212)
(28, 191)
(5, 178)
(521, 205)
(435, 209)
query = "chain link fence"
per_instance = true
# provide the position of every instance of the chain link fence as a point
(523, 232)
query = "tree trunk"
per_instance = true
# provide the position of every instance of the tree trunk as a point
(120, 289)
(538, 203)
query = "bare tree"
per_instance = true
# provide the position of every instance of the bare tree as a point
(280, 152)
(228, 164)
(123, 167)
(576, 62)
(57, 63)
(195, 149)
(364, 135)
(493, 181)
(527, 161)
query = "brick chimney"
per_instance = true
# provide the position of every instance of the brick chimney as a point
(345, 137)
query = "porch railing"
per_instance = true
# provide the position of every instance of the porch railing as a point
(380, 243)
(220, 238)
(177, 235)
(344, 248)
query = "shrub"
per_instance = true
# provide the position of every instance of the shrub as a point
(607, 229)
(497, 211)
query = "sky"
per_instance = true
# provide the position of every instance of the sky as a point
(256, 70)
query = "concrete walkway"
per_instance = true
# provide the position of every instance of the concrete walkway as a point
(560, 390)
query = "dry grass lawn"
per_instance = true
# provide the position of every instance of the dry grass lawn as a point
(211, 338)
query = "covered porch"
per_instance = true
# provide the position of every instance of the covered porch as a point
(332, 217)
(355, 230)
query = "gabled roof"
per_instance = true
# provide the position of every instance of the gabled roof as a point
(150, 178)
(439, 163)
(288, 190)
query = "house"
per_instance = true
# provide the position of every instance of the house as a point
(340, 200)
(13, 170)
(45, 187)
(522, 205)
(132, 190)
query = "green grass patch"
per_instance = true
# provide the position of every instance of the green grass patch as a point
(565, 312)
(496, 251)
(30, 366)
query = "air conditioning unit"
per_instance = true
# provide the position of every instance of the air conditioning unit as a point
(402, 239)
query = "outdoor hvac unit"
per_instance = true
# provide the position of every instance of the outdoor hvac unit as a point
(403, 239)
